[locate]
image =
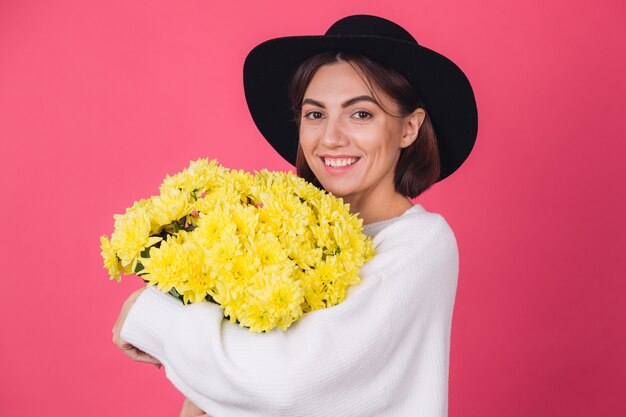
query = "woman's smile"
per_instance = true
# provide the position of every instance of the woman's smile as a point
(338, 164)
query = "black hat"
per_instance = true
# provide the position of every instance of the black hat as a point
(438, 82)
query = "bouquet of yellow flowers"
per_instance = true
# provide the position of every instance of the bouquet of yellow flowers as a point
(267, 247)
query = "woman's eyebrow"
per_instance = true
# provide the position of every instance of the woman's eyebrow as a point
(345, 104)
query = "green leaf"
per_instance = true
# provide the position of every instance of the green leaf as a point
(176, 295)
(139, 268)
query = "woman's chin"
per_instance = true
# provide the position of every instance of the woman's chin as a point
(338, 190)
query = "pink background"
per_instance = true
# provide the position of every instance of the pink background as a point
(99, 100)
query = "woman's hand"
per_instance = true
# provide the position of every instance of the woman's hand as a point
(128, 349)
(191, 410)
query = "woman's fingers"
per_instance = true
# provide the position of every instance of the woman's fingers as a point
(189, 409)
(128, 349)
(139, 355)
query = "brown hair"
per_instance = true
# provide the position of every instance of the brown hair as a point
(418, 167)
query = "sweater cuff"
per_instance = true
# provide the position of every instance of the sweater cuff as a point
(152, 315)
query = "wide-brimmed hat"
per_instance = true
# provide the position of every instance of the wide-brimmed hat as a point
(440, 84)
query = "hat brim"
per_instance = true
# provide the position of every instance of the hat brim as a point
(439, 83)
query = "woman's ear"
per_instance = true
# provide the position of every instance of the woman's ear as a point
(412, 125)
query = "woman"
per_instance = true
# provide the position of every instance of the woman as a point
(361, 132)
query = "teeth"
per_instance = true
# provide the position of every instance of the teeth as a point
(339, 162)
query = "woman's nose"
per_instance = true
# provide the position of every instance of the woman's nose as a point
(334, 133)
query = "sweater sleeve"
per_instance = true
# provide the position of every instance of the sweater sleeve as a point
(346, 360)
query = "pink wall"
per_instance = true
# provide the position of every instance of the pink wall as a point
(98, 100)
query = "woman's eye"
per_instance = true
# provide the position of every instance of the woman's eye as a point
(362, 115)
(313, 115)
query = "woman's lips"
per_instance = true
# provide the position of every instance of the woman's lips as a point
(337, 164)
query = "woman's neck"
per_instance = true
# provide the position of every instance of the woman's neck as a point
(382, 209)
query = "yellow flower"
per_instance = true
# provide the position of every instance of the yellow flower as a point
(174, 265)
(274, 299)
(239, 183)
(332, 280)
(212, 226)
(131, 235)
(219, 258)
(111, 261)
(267, 247)
(257, 317)
(232, 286)
(302, 249)
(199, 177)
(246, 219)
(286, 302)
(171, 205)
(314, 297)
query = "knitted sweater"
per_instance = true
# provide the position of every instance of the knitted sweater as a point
(384, 351)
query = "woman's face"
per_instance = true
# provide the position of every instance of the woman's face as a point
(349, 142)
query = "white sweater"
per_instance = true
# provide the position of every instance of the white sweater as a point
(384, 351)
